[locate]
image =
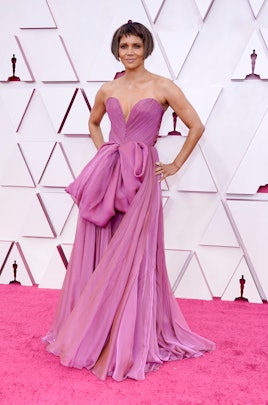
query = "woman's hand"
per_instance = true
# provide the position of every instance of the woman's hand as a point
(165, 170)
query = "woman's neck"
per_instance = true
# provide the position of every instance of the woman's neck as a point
(138, 74)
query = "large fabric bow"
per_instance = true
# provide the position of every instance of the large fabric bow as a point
(110, 181)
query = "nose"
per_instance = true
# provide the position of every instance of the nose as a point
(130, 50)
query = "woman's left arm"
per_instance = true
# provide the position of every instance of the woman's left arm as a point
(186, 112)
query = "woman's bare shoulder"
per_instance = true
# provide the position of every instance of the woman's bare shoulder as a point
(163, 87)
(108, 88)
(105, 88)
(163, 82)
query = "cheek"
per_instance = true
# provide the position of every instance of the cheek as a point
(141, 53)
(120, 51)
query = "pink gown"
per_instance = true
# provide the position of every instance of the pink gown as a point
(117, 315)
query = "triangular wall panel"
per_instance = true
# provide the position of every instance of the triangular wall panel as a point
(194, 174)
(69, 229)
(22, 68)
(175, 260)
(253, 169)
(153, 7)
(244, 66)
(193, 283)
(36, 14)
(219, 231)
(240, 108)
(164, 201)
(177, 59)
(232, 291)
(77, 119)
(256, 6)
(55, 272)
(16, 172)
(251, 218)
(184, 226)
(58, 206)
(5, 248)
(264, 33)
(177, 27)
(37, 223)
(36, 155)
(203, 98)
(219, 264)
(36, 125)
(57, 101)
(57, 172)
(14, 205)
(38, 252)
(54, 65)
(78, 152)
(16, 101)
(23, 272)
(204, 7)
(65, 251)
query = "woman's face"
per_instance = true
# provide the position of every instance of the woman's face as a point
(131, 51)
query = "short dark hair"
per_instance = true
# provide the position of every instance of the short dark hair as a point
(133, 28)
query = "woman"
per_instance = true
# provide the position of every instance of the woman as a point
(117, 315)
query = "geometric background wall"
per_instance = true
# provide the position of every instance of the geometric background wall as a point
(215, 208)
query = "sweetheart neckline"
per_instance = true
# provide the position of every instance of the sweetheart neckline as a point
(134, 105)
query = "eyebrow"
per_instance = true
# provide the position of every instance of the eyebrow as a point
(133, 43)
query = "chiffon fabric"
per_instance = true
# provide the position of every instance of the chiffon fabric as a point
(117, 315)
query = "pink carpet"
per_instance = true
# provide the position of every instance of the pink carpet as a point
(235, 374)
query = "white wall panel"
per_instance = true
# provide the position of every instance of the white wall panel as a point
(37, 252)
(36, 154)
(219, 265)
(16, 102)
(15, 171)
(233, 287)
(219, 231)
(185, 224)
(253, 172)
(57, 172)
(46, 54)
(7, 274)
(193, 282)
(232, 126)
(14, 205)
(36, 124)
(256, 6)
(215, 220)
(251, 218)
(22, 66)
(39, 17)
(260, 67)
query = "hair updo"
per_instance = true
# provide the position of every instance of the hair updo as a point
(133, 28)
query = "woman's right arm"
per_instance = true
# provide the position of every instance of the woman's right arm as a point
(97, 112)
